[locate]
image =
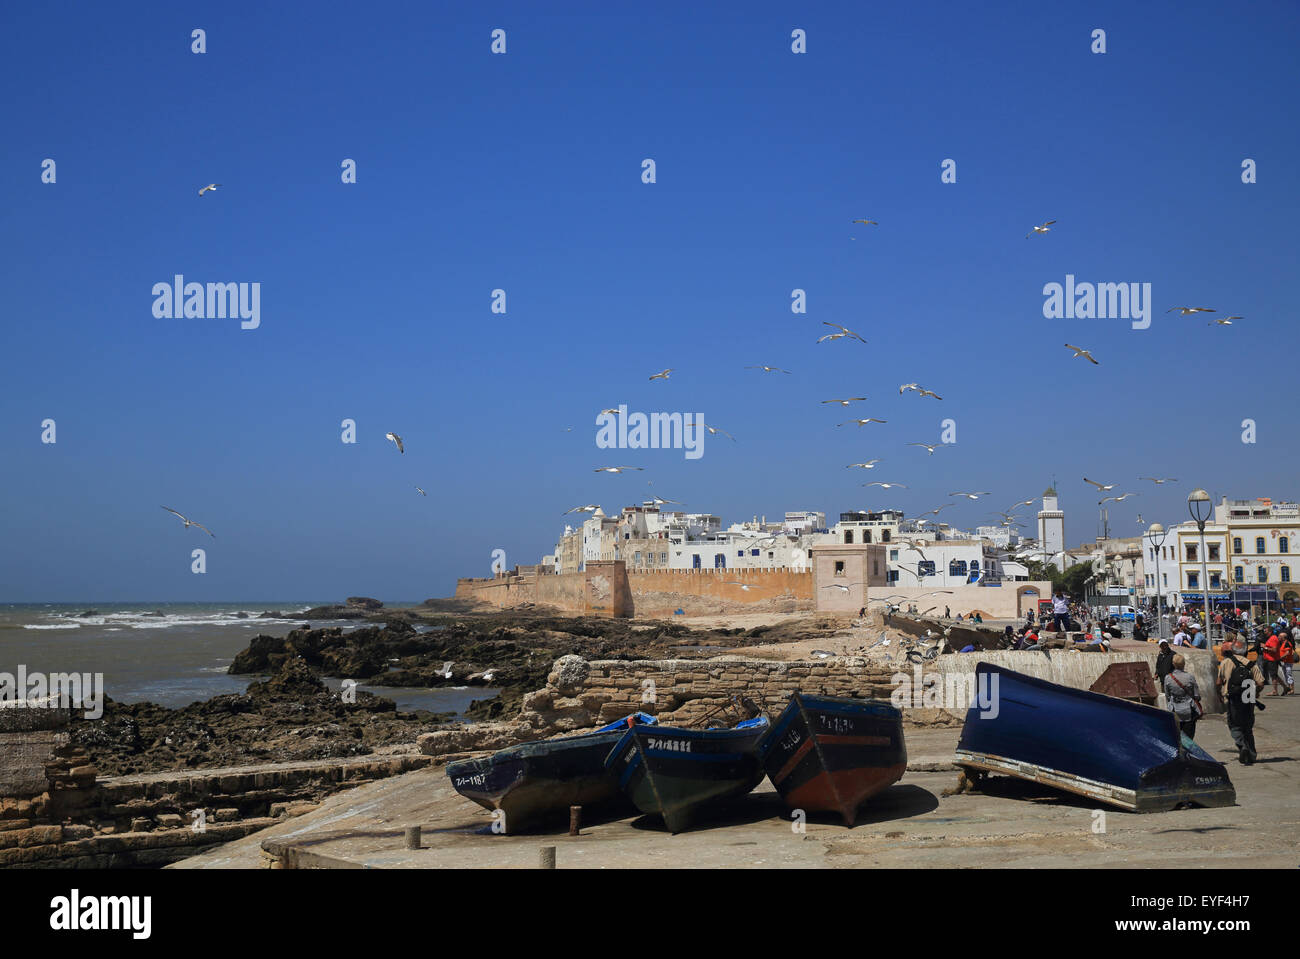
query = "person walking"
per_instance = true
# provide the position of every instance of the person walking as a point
(1270, 655)
(1197, 639)
(1239, 684)
(1183, 697)
(1286, 656)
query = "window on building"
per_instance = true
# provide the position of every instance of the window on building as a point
(1165, 577)
(848, 536)
(1263, 574)
(884, 536)
(957, 567)
(1259, 544)
(663, 559)
(1191, 552)
(1193, 580)
(720, 561)
(1238, 574)
(740, 553)
(636, 558)
(866, 536)
(755, 552)
(1213, 551)
(1286, 574)
(893, 576)
(893, 554)
(925, 568)
(1236, 544)
(1283, 545)
(1214, 581)
(839, 567)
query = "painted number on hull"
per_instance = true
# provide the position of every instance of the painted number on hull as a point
(836, 724)
(675, 745)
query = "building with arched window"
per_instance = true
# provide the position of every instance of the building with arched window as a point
(1250, 539)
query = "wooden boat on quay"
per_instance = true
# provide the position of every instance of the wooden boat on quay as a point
(533, 780)
(678, 773)
(1112, 750)
(830, 754)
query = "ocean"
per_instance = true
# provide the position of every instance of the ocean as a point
(172, 654)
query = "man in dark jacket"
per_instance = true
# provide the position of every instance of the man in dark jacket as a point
(1164, 663)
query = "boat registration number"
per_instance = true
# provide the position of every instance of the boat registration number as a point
(475, 780)
(674, 745)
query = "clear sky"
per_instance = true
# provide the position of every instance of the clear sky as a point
(523, 172)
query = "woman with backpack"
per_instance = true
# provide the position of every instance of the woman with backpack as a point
(1183, 697)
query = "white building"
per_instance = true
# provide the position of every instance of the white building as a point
(1051, 528)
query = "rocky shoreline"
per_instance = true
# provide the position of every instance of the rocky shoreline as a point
(293, 716)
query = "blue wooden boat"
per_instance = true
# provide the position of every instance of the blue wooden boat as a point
(677, 774)
(829, 754)
(1112, 750)
(533, 780)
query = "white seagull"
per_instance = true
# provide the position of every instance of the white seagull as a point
(660, 501)
(914, 386)
(1080, 351)
(844, 331)
(839, 587)
(1185, 310)
(768, 369)
(1116, 499)
(886, 485)
(210, 186)
(1226, 321)
(1159, 481)
(714, 430)
(1045, 228)
(421, 492)
(662, 375)
(868, 465)
(968, 495)
(589, 508)
(615, 469)
(872, 222)
(1100, 486)
(745, 586)
(851, 399)
(190, 522)
(396, 439)
(862, 422)
(930, 449)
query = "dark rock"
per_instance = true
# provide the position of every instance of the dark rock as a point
(271, 614)
(365, 602)
(241, 615)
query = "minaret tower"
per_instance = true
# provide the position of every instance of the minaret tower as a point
(1051, 528)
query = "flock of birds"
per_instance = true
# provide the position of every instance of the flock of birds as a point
(839, 332)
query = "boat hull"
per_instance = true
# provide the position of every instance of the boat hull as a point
(829, 754)
(681, 774)
(533, 781)
(1127, 754)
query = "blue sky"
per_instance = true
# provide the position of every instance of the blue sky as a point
(523, 172)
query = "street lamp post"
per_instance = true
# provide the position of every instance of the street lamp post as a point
(1156, 537)
(1199, 505)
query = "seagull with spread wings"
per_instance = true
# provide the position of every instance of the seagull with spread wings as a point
(616, 469)
(662, 374)
(868, 465)
(969, 495)
(1115, 499)
(928, 448)
(396, 439)
(768, 369)
(1101, 486)
(886, 485)
(209, 188)
(190, 522)
(1080, 351)
(872, 222)
(1185, 310)
(845, 402)
(862, 422)
(917, 388)
(1044, 228)
(844, 331)
(1159, 481)
(589, 508)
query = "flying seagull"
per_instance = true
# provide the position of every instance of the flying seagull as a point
(1100, 486)
(844, 331)
(190, 522)
(745, 586)
(1184, 310)
(839, 587)
(1115, 499)
(863, 422)
(969, 495)
(1226, 321)
(1080, 351)
(1026, 502)
(713, 430)
(930, 449)
(851, 399)
(872, 222)
(396, 439)
(590, 508)
(868, 465)
(1159, 481)
(914, 386)
(1045, 228)
(886, 485)
(210, 186)
(660, 501)
(663, 375)
(614, 412)
(768, 369)
(615, 469)
(421, 492)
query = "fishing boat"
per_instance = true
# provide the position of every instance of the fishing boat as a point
(1112, 750)
(530, 781)
(828, 754)
(677, 773)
